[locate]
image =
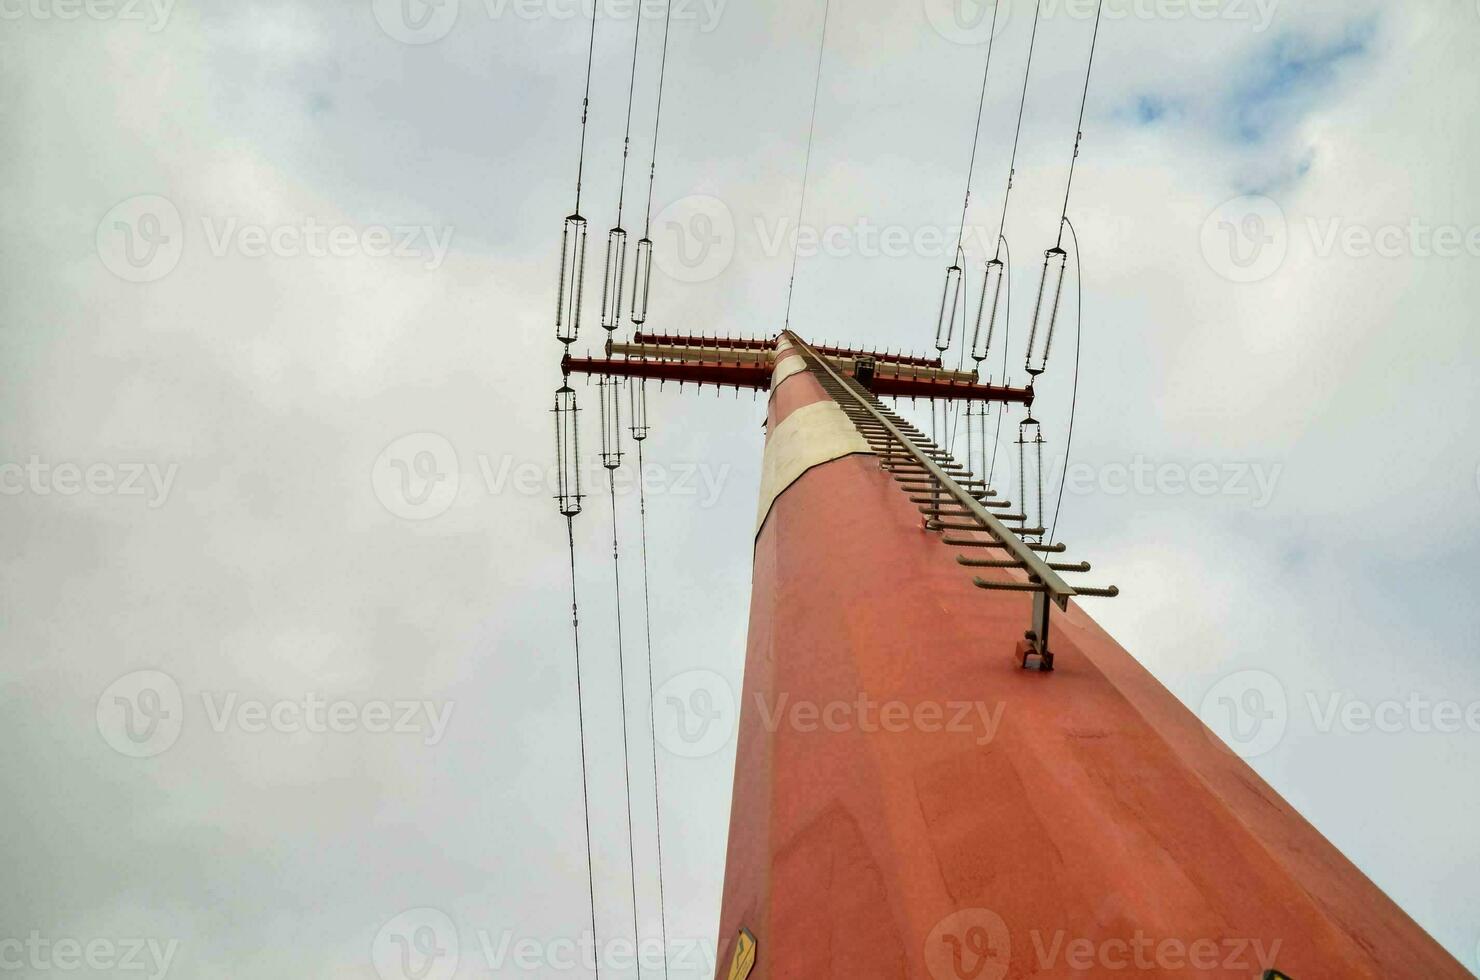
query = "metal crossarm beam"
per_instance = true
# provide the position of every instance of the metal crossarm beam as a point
(769, 344)
(726, 374)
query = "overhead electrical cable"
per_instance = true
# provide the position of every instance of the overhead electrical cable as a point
(643, 267)
(950, 297)
(575, 625)
(1079, 129)
(610, 388)
(1074, 395)
(807, 163)
(616, 242)
(571, 289)
(652, 695)
(1055, 260)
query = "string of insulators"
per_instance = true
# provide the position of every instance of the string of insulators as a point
(642, 274)
(609, 389)
(567, 452)
(950, 301)
(637, 415)
(614, 281)
(1030, 433)
(572, 279)
(1046, 309)
(986, 311)
(976, 437)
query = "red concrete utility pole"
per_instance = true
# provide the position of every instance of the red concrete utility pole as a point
(910, 802)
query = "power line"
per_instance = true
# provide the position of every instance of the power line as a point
(631, 95)
(807, 162)
(976, 134)
(1017, 135)
(622, 685)
(1074, 396)
(658, 118)
(575, 624)
(1079, 131)
(585, 112)
(652, 721)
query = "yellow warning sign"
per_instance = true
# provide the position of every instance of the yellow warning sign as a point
(744, 959)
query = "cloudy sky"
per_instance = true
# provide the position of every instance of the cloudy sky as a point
(288, 687)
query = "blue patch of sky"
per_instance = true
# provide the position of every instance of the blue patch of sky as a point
(1285, 77)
